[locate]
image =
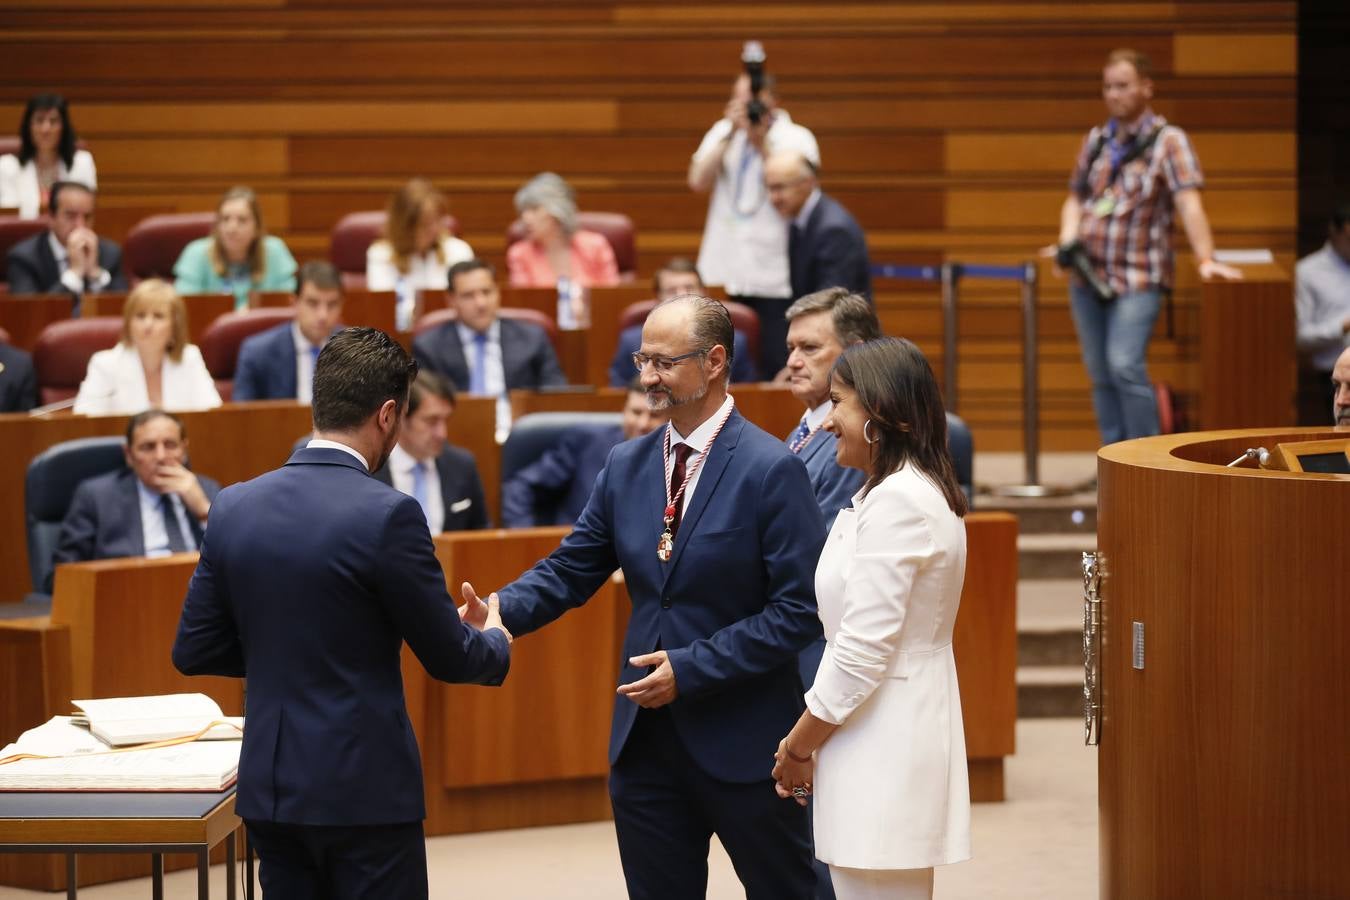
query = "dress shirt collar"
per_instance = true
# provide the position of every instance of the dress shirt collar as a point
(816, 417)
(807, 208)
(467, 334)
(402, 461)
(58, 249)
(1336, 258)
(700, 436)
(302, 343)
(321, 444)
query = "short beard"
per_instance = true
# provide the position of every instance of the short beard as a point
(661, 399)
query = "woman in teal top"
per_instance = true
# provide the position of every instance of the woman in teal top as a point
(239, 257)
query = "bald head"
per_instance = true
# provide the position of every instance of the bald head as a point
(1340, 382)
(789, 179)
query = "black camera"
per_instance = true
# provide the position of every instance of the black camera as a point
(752, 57)
(1074, 257)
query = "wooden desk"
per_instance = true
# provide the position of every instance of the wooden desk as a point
(25, 317)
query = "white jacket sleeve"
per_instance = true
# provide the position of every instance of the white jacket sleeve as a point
(99, 388)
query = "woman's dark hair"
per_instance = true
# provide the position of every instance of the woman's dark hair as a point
(898, 393)
(40, 103)
(358, 370)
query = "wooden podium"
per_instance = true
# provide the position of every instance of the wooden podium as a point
(1223, 671)
(1248, 374)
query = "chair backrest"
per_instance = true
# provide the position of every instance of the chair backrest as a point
(10, 144)
(743, 319)
(353, 235)
(438, 317)
(61, 354)
(617, 228)
(962, 448)
(52, 478)
(154, 243)
(12, 230)
(220, 342)
(535, 433)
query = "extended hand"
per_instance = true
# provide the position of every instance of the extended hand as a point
(789, 774)
(1211, 269)
(658, 688)
(480, 615)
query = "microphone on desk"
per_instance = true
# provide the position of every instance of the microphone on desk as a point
(1260, 454)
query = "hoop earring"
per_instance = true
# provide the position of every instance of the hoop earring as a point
(867, 436)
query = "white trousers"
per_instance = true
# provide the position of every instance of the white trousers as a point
(882, 884)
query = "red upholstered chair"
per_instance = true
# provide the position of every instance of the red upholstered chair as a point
(220, 342)
(4, 336)
(154, 244)
(353, 235)
(10, 144)
(617, 229)
(441, 316)
(743, 319)
(12, 230)
(61, 355)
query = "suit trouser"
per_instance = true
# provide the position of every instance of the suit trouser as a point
(666, 810)
(317, 862)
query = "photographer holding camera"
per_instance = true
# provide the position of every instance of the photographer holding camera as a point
(745, 246)
(1115, 235)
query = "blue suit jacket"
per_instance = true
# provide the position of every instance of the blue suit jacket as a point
(31, 267)
(311, 578)
(266, 367)
(829, 251)
(528, 360)
(621, 370)
(553, 489)
(18, 380)
(104, 519)
(732, 608)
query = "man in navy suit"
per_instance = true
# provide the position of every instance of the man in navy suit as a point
(68, 258)
(826, 246)
(482, 353)
(18, 380)
(278, 364)
(723, 601)
(153, 507)
(553, 490)
(442, 478)
(311, 578)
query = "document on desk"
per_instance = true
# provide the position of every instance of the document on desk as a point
(193, 766)
(121, 721)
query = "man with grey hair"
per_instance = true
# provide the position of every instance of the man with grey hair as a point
(1340, 385)
(717, 532)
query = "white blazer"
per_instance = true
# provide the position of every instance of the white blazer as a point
(115, 383)
(426, 272)
(19, 184)
(891, 789)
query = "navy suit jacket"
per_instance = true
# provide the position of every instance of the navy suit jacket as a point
(732, 608)
(18, 380)
(621, 370)
(32, 267)
(829, 251)
(560, 481)
(461, 489)
(104, 519)
(266, 366)
(310, 579)
(528, 360)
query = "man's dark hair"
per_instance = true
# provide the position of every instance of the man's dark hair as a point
(320, 273)
(463, 267)
(1340, 216)
(60, 186)
(41, 103)
(433, 383)
(150, 415)
(678, 264)
(852, 316)
(358, 370)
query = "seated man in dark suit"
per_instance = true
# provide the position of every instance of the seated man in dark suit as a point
(18, 381)
(68, 257)
(482, 353)
(679, 276)
(826, 246)
(278, 364)
(424, 465)
(153, 507)
(560, 481)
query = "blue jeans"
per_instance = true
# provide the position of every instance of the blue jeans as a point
(1114, 338)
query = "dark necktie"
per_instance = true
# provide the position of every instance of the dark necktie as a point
(177, 543)
(682, 452)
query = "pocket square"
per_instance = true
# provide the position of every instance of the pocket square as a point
(460, 505)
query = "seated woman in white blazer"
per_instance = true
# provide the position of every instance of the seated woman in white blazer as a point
(881, 744)
(46, 155)
(153, 364)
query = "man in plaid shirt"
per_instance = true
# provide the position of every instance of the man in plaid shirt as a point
(1131, 174)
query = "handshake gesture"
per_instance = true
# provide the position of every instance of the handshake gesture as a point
(479, 614)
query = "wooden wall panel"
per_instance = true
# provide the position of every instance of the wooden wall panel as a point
(948, 128)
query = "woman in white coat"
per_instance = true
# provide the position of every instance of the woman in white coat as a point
(47, 154)
(153, 365)
(881, 744)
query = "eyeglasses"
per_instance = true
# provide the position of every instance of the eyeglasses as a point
(663, 364)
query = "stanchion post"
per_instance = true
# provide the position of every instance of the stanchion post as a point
(1031, 426)
(951, 273)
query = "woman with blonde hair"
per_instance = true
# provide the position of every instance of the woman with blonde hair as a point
(153, 365)
(239, 257)
(555, 248)
(417, 249)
